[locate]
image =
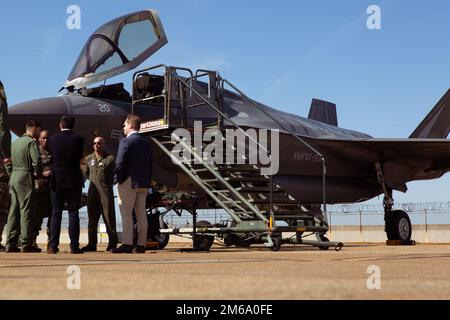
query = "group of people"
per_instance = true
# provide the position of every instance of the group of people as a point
(46, 176)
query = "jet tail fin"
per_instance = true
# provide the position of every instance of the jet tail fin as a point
(323, 111)
(437, 123)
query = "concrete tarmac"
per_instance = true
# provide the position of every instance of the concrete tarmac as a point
(406, 272)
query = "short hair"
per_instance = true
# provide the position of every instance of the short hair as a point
(32, 124)
(134, 121)
(44, 131)
(67, 122)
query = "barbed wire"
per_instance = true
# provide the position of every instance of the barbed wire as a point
(217, 215)
(435, 207)
(410, 207)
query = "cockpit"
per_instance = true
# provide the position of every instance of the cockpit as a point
(116, 47)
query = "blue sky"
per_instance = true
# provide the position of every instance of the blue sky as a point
(283, 54)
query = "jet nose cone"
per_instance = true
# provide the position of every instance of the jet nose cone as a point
(47, 111)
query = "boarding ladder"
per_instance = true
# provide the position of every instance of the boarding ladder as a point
(254, 201)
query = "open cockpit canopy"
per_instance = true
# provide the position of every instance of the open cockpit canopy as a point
(116, 47)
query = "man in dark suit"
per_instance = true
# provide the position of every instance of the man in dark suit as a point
(66, 150)
(133, 174)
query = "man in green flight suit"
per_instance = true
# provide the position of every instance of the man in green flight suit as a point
(5, 153)
(23, 170)
(99, 169)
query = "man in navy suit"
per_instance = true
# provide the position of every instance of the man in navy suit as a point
(66, 149)
(133, 175)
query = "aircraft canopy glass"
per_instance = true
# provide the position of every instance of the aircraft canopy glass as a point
(118, 46)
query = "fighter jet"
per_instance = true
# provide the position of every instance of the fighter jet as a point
(320, 163)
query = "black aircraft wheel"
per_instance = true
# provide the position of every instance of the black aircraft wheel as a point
(324, 239)
(163, 238)
(276, 244)
(398, 226)
(203, 242)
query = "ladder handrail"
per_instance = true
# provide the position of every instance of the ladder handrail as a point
(219, 111)
(171, 73)
(192, 90)
(324, 168)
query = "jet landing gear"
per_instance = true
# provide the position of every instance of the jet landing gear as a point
(397, 224)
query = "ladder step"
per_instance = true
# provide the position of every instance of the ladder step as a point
(231, 201)
(244, 212)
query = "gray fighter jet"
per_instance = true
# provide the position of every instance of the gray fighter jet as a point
(319, 162)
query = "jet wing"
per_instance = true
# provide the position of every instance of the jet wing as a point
(116, 47)
(403, 160)
(392, 149)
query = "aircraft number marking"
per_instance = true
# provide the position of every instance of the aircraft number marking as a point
(104, 108)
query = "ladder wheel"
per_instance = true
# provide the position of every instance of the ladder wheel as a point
(203, 242)
(163, 238)
(276, 244)
(324, 239)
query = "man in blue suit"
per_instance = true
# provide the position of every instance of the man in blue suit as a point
(133, 175)
(66, 149)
